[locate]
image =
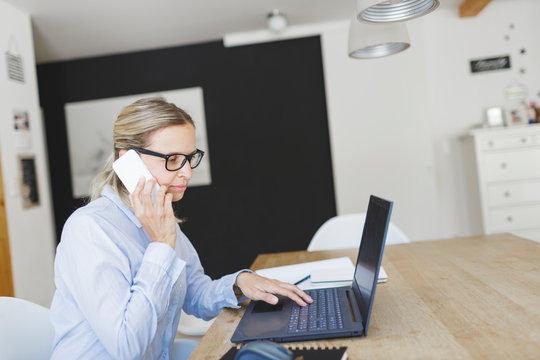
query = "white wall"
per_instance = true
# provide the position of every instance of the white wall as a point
(458, 98)
(379, 116)
(395, 121)
(31, 231)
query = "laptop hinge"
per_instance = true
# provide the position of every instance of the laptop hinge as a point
(353, 307)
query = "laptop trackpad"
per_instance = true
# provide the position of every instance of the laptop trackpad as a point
(262, 307)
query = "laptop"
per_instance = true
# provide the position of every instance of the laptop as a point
(335, 312)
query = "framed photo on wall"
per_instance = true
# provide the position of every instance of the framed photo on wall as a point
(90, 132)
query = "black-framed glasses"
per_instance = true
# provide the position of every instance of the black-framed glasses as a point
(174, 162)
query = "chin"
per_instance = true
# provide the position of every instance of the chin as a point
(177, 196)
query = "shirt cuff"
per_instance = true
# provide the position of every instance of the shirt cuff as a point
(243, 297)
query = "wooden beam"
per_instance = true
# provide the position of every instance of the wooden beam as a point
(472, 7)
(6, 278)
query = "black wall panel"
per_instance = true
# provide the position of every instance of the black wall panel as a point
(267, 130)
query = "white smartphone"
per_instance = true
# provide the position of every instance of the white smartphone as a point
(129, 168)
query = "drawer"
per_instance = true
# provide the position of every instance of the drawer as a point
(506, 142)
(513, 193)
(514, 218)
(512, 165)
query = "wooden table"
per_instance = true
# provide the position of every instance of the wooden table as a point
(475, 297)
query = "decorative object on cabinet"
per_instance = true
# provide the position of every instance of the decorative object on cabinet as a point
(495, 116)
(505, 179)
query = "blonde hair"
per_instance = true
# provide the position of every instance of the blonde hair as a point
(132, 129)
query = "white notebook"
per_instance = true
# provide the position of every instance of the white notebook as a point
(322, 274)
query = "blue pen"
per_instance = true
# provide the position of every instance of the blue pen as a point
(302, 280)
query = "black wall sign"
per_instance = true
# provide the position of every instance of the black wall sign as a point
(491, 64)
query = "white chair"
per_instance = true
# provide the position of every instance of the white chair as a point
(345, 231)
(26, 331)
(193, 326)
(182, 348)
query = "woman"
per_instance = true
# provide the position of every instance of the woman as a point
(124, 269)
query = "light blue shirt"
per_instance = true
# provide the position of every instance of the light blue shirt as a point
(118, 294)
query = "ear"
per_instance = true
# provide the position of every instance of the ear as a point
(121, 152)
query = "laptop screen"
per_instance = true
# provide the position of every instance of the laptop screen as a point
(370, 255)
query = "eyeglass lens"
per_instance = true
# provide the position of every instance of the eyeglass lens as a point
(175, 162)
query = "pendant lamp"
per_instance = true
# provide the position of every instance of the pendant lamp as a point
(374, 41)
(383, 11)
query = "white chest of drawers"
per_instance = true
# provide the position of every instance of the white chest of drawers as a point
(507, 166)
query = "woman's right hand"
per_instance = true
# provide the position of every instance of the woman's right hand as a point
(156, 218)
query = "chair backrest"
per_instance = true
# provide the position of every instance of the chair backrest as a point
(345, 231)
(26, 331)
(191, 325)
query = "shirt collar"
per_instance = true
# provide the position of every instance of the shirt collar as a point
(110, 194)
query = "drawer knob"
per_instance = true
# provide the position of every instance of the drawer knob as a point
(503, 165)
(509, 219)
(507, 194)
(524, 140)
(490, 143)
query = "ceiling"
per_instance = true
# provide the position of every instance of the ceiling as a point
(69, 29)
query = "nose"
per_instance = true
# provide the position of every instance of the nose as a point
(185, 171)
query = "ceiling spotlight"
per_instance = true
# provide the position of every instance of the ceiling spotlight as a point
(374, 41)
(381, 11)
(277, 22)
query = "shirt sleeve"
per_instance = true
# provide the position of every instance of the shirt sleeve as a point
(123, 310)
(205, 297)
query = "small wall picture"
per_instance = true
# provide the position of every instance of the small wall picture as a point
(21, 121)
(15, 67)
(14, 61)
(28, 181)
(21, 126)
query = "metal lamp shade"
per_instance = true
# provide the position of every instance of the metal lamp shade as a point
(374, 41)
(381, 11)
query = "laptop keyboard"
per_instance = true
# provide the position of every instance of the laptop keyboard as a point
(323, 314)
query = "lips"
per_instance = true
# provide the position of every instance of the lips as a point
(178, 187)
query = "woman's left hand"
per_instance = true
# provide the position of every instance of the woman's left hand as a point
(257, 287)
